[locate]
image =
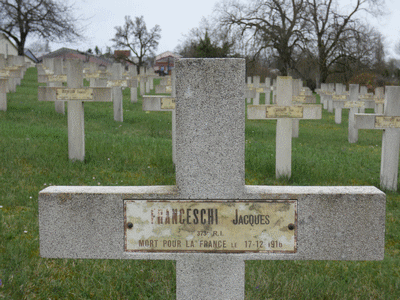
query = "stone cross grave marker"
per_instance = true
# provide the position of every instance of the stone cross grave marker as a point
(273, 89)
(389, 122)
(117, 84)
(284, 112)
(75, 95)
(142, 80)
(164, 103)
(379, 100)
(297, 86)
(327, 89)
(132, 75)
(354, 106)
(210, 223)
(55, 79)
(337, 95)
(338, 100)
(253, 90)
(17, 64)
(165, 85)
(12, 74)
(3, 93)
(367, 98)
(352, 103)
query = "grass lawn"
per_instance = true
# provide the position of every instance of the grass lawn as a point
(34, 155)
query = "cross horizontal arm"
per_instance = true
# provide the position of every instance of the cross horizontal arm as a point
(52, 78)
(88, 222)
(97, 94)
(372, 121)
(158, 103)
(121, 83)
(261, 112)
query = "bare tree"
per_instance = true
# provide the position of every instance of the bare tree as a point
(39, 46)
(379, 53)
(134, 35)
(49, 19)
(334, 31)
(275, 24)
(397, 48)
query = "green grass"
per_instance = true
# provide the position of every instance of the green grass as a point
(34, 155)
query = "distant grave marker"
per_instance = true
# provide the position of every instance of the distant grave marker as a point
(164, 103)
(389, 122)
(284, 112)
(379, 100)
(75, 95)
(3, 93)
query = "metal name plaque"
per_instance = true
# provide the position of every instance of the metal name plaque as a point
(74, 94)
(219, 226)
(168, 103)
(274, 111)
(387, 122)
(117, 83)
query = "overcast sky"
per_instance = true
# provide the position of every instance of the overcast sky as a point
(177, 17)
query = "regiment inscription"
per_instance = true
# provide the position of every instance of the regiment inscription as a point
(210, 226)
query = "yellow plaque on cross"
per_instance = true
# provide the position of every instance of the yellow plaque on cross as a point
(284, 112)
(211, 226)
(167, 103)
(74, 94)
(387, 122)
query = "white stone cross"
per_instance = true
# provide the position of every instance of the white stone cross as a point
(133, 76)
(284, 112)
(164, 103)
(75, 95)
(210, 223)
(379, 100)
(117, 84)
(165, 86)
(55, 78)
(389, 122)
(3, 93)
(297, 86)
(12, 74)
(16, 63)
(338, 100)
(354, 105)
(337, 95)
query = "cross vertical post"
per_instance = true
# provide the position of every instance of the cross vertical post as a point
(58, 69)
(284, 97)
(379, 100)
(76, 114)
(3, 93)
(353, 95)
(205, 110)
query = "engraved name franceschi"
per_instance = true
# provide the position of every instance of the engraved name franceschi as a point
(203, 216)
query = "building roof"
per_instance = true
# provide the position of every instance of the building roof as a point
(122, 53)
(3, 36)
(31, 55)
(168, 54)
(67, 53)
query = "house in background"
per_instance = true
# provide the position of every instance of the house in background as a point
(66, 53)
(8, 48)
(166, 61)
(122, 54)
